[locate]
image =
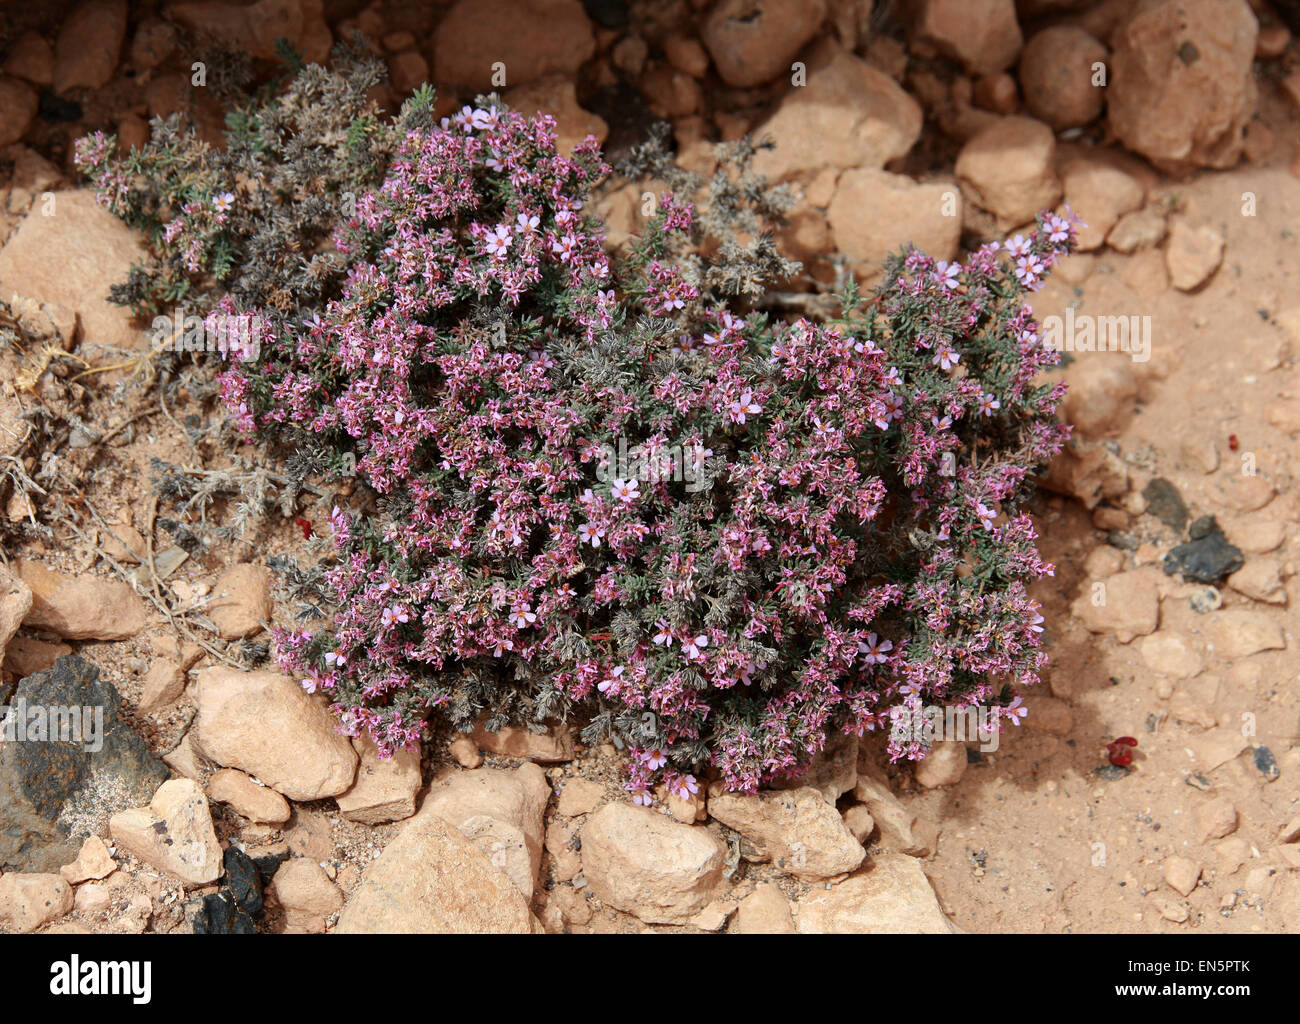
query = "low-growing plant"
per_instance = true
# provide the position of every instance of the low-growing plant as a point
(821, 521)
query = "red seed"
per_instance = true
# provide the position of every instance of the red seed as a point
(305, 526)
(1232, 442)
(1127, 741)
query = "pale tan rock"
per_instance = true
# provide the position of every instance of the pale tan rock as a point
(88, 45)
(983, 35)
(1057, 69)
(245, 797)
(432, 879)
(1193, 254)
(562, 843)
(240, 601)
(91, 898)
(30, 900)
(1215, 819)
(1127, 604)
(765, 911)
(687, 54)
(1137, 230)
(300, 885)
(1239, 633)
(550, 747)
(944, 765)
(798, 830)
(164, 684)
(644, 864)
(465, 752)
(1182, 874)
(80, 607)
(1260, 579)
(579, 796)
(555, 95)
(896, 822)
(1100, 193)
(755, 41)
(1170, 654)
(1181, 89)
(25, 655)
(265, 724)
(174, 833)
(93, 861)
(848, 114)
(501, 812)
(385, 789)
(860, 822)
(531, 38)
(1006, 171)
(891, 895)
(15, 603)
(187, 760)
(1256, 535)
(874, 214)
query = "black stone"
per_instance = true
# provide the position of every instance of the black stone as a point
(269, 864)
(47, 787)
(606, 13)
(243, 881)
(54, 109)
(1166, 504)
(1266, 762)
(1207, 557)
(219, 914)
(1111, 772)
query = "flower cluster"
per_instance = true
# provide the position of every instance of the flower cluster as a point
(862, 543)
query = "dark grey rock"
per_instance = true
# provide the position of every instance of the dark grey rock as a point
(55, 793)
(1207, 557)
(1165, 503)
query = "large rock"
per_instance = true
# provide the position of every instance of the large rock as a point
(174, 833)
(81, 607)
(765, 911)
(754, 41)
(651, 867)
(1100, 193)
(28, 901)
(15, 603)
(1057, 76)
(982, 34)
(244, 796)
(306, 893)
(432, 879)
(89, 43)
(531, 38)
(1182, 88)
(18, 105)
(256, 27)
(1006, 172)
(1127, 604)
(891, 896)
(848, 114)
(385, 789)
(552, 746)
(555, 95)
(798, 830)
(240, 601)
(71, 259)
(501, 812)
(53, 794)
(264, 723)
(874, 213)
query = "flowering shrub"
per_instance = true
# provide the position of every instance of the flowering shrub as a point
(859, 541)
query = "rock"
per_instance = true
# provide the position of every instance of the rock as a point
(80, 607)
(944, 765)
(263, 723)
(1171, 655)
(385, 789)
(1207, 557)
(641, 863)
(1218, 747)
(25, 655)
(1290, 831)
(874, 213)
(1138, 230)
(896, 822)
(465, 752)
(408, 71)
(579, 796)
(1056, 75)
(256, 27)
(91, 898)
(765, 911)
(174, 833)
(563, 843)
(1244, 492)
(1006, 172)
(1192, 255)
(185, 759)
(1100, 193)
(30, 58)
(1171, 910)
(240, 601)
(555, 95)
(219, 914)
(550, 747)
(1127, 605)
(89, 43)
(306, 893)
(714, 917)
(53, 794)
(164, 684)
(798, 830)
(1237, 633)
(1181, 88)
(17, 108)
(1165, 503)
(432, 879)
(1260, 580)
(982, 34)
(154, 41)
(531, 38)
(889, 896)
(859, 821)
(833, 772)
(687, 55)
(1182, 874)
(1215, 819)
(15, 603)
(1258, 535)
(501, 812)
(65, 260)
(1089, 471)
(1050, 715)
(245, 797)
(848, 115)
(754, 41)
(30, 900)
(93, 861)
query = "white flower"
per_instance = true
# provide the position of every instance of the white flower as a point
(591, 534)
(693, 648)
(605, 685)
(626, 490)
(522, 617)
(223, 201)
(499, 241)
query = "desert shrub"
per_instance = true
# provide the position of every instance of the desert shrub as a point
(813, 523)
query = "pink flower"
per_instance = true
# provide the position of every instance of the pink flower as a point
(988, 404)
(641, 795)
(393, 615)
(945, 356)
(498, 242)
(874, 650)
(986, 515)
(522, 617)
(626, 491)
(684, 787)
(665, 634)
(604, 685)
(743, 406)
(1017, 247)
(693, 648)
(591, 534)
(654, 759)
(1014, 711)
